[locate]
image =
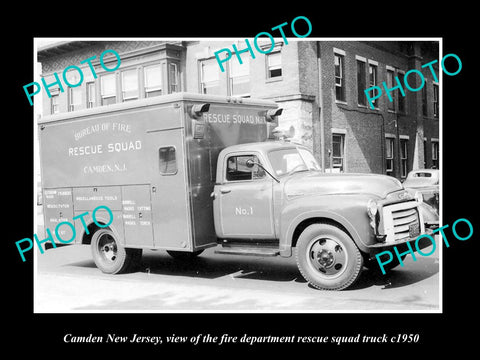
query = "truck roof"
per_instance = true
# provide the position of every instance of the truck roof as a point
(262, 146)
(163, 99)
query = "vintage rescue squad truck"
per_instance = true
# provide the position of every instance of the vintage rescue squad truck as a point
(185, 172)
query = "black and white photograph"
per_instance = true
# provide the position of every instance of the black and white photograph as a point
(239, 175)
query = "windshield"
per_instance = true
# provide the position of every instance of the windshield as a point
(284, 161)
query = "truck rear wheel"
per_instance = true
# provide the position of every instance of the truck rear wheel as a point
(110, 256)
(327, 257)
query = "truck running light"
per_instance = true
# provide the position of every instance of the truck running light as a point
(272, 113)
(198, 125)
(198, 109)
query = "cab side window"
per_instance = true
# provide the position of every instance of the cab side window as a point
(237, 169)
(168, 160)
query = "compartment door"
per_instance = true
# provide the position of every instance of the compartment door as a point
(58, 208)
(172, 226)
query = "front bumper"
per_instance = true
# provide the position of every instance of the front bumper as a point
(401, 245)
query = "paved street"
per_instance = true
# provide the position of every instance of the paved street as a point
(68, 281)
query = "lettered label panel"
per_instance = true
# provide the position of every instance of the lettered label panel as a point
(137, 215)
(88, 198)
(58, 208)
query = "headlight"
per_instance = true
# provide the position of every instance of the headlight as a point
(418, 197)
(372, 208)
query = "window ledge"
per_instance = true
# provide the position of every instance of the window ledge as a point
(274, 79)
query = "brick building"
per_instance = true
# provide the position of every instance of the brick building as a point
(319, 84)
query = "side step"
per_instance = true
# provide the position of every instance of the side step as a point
(236, 250)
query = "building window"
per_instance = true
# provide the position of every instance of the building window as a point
(274, 65)
(361, 82)
(424, 100)
(401, 99)
(168, 160)
(108, 89)
(209, 77)
(153, 80)
(390, 79)
(74, 94)
(90, 95)
(338, 151)
(74, 98)
(435, 155)
(129, 85)
(404, 157)
(389, 146)
(173, 77)
(373, 80)
(339, 77)
(435, 101)
(240, 78)
(54, 108)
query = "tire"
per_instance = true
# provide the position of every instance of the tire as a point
(110, 256)
(184, 255)
(327, 257)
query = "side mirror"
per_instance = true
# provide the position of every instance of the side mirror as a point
(250, 163)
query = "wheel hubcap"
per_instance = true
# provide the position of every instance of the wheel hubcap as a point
(107, 248)
(327, 256)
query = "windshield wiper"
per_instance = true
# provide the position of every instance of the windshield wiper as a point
(250, 163)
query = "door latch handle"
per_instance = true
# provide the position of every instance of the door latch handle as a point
(212, 195)
(225, 191)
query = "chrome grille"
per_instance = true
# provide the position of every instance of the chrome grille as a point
(401, 221)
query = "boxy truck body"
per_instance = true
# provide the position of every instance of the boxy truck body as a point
(152, 162)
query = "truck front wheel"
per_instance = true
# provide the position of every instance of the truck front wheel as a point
(109, 255)
(327, 257)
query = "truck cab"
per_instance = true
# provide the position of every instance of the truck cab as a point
(249, 190)
(271, 198)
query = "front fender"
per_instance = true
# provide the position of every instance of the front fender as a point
(347, 210)
(429, 214)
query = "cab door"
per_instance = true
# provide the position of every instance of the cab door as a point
(243, 205)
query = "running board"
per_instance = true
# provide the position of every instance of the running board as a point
(247, 251)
